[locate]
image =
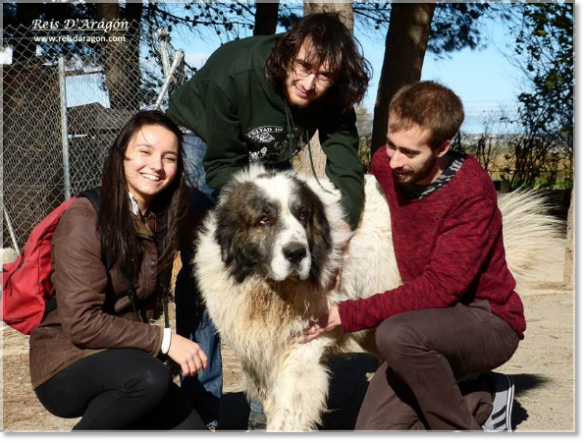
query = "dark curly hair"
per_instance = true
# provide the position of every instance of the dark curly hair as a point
(330, 42)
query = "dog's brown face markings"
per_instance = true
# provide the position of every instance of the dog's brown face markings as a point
(240, 231)
(316, 224)
(250, 221)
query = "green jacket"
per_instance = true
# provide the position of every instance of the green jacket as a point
(231, 106)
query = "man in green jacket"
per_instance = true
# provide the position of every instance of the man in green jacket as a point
(262, 99)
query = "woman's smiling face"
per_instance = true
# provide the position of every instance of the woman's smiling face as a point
(151, 163)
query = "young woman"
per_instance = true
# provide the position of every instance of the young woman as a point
(95, 355)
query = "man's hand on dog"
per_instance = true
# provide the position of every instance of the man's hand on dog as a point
(326, 323)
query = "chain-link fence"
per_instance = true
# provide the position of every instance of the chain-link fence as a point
(65, 99)
(486, 134)
(491, 127)
(502, 145)
(518, 153)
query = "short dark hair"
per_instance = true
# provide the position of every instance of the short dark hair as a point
(114, 219)
(430, 105)
(331, 42)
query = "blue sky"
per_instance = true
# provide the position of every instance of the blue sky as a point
(484, 79)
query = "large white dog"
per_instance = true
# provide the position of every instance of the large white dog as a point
(265, 262)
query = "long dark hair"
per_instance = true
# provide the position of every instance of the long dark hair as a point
(115, 224)
(330, 41)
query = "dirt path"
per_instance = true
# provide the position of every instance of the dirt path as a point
(543, 370)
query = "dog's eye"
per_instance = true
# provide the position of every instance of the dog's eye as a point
(302, 215)
(264, 220)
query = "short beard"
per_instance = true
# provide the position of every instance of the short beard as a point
(413, 178)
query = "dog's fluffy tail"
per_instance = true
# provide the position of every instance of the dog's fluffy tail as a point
(532, 237)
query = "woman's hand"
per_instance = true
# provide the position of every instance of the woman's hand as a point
(326, 323)
(187, 354)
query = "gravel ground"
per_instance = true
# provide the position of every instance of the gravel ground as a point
(543, 369)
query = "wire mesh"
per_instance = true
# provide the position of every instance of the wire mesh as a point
(106, 82)
(497, 138)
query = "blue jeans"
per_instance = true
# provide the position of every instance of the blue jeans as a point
(193, 321)
(194, 149)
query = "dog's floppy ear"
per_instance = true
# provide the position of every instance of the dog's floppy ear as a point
(247, 259)
(241, 258)
(320, 240)
(225, 236)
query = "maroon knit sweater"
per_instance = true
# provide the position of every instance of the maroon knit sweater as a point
(449, 249)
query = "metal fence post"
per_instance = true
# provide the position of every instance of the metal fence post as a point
(64, 130)
(163, 39)
(59, 120)
(176, 62)
(10, 229)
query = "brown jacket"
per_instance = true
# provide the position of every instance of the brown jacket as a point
(89, 319)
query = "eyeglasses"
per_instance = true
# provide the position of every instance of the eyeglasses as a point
(304, 70)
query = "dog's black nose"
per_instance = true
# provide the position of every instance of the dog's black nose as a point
(294, 252)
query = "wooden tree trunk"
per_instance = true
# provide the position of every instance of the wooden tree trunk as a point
(302, 162)
(122, 60)
(405, 47)
(344, 8)
(569, 272)
(265, 17)
(24, 47)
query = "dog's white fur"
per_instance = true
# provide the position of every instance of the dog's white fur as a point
(260, 318)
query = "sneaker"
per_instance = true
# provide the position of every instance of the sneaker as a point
(502, 404)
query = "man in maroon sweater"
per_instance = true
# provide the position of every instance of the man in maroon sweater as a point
(457, 313)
